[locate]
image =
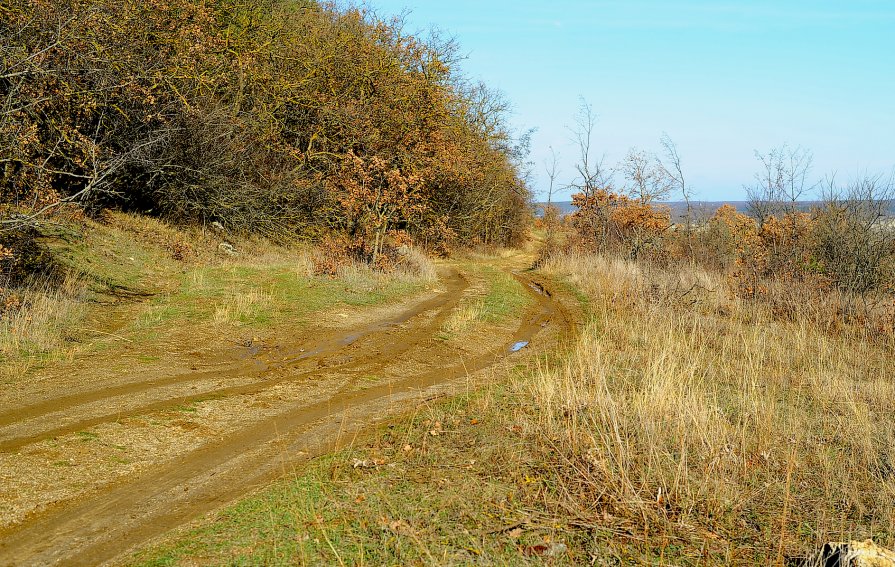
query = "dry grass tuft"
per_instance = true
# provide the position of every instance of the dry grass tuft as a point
(416, 266)
(40, 323)
(692, 424)
(462, 319)
(239, 306)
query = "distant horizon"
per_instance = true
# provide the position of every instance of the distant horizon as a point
(724, 80)
(694, 201)
(678, 208)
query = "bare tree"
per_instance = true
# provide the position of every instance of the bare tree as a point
(674, 172)
(645, 178)
(551, 166)
(551, 216)
(486, 110)
(591, 174)
(780, 183)
(855, 234)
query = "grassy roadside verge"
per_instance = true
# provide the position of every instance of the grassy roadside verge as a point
(682, 429)
(134, 283)
(498, 299)
(422, 491)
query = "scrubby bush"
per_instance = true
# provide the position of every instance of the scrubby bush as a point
(610, 221)
(855, 237)
(833, 265)
(288, 118)
(780, 248)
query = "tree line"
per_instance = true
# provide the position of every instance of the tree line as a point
(837, 249)
(287, 118)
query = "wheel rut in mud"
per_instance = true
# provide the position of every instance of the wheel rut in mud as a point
(98, 526)
(54, 417)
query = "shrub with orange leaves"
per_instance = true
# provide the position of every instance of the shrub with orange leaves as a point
(281, 117)
(782, 248)
(8, 299)
(610, 221)
(788, 242)
(378, 200)
(335, 252)
(731, 241)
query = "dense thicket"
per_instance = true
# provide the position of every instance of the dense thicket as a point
(282, 117)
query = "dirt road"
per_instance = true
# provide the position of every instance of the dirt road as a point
(92, 472)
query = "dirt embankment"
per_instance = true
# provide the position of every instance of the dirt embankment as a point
(92, 471)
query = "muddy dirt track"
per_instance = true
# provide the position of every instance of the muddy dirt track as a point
(262, 414)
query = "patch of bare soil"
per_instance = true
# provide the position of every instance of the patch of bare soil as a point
(91, 468)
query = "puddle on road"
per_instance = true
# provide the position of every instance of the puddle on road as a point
(518, 346)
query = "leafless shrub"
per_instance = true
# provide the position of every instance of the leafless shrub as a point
(780, 183)
(855, 235)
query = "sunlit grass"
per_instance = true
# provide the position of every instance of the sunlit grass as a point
(681, 427)
(501, 298)
(127, 263)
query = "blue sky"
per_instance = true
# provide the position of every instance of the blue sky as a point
(723, 79)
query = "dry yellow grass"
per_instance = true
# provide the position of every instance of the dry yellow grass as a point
(690, 424)
(683, 426)
(239, 305)
(40, 326)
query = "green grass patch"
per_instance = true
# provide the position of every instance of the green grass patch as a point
(504, 298)
(128, 263)
(261, 297)
(584, 301)
(111, 260)
(433, 489)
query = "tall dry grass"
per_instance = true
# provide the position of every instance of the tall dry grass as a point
(44, 315)
(688, 425)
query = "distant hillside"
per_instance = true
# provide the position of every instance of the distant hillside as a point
(701, 209)
(678, 208)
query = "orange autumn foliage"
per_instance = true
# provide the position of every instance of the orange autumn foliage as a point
(782, 248)
(610, 221)
(289, 118)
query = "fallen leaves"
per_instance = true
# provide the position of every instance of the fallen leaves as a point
(367, 463)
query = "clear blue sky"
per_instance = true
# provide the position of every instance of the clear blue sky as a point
(722, 78)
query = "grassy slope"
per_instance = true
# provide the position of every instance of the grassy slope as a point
(124, 290)
(683, 428)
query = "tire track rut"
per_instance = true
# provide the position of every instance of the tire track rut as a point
(267, 370)
(100, 527)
